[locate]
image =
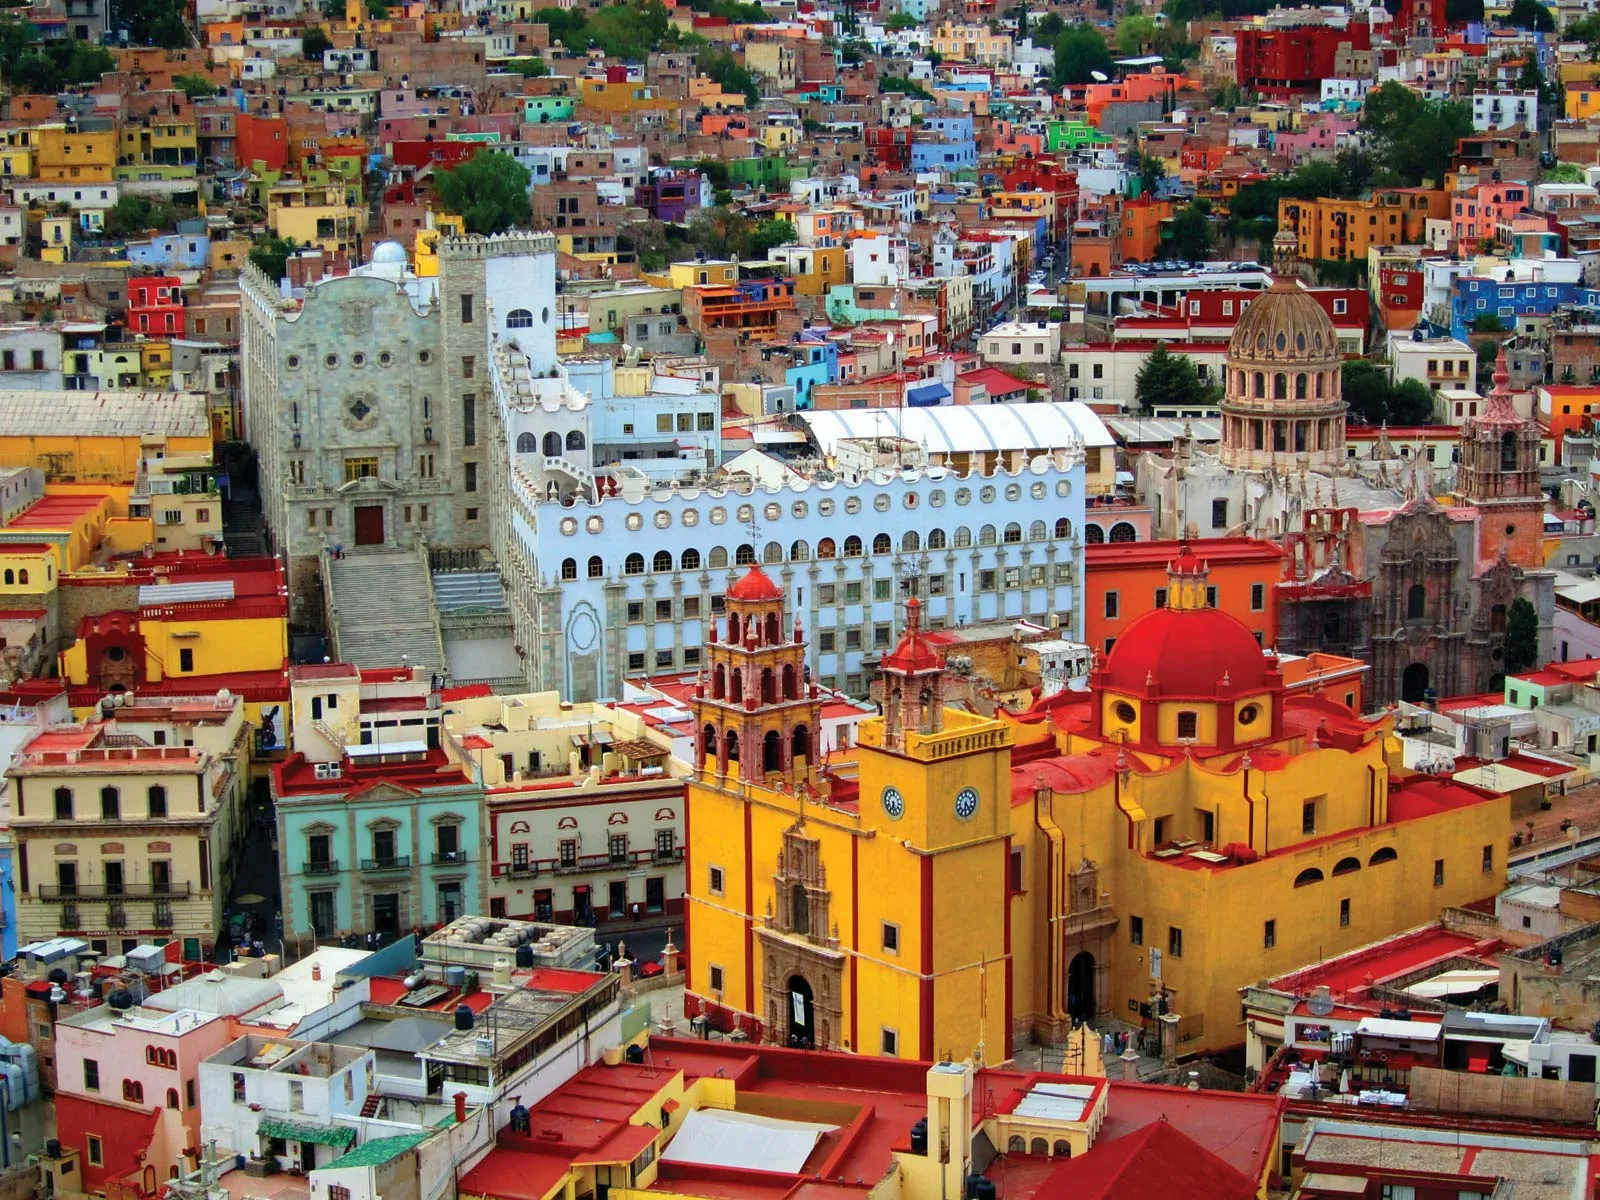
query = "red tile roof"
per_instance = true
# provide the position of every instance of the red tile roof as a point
(1145, 1164)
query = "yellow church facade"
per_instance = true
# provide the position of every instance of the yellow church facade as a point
(1140, 850)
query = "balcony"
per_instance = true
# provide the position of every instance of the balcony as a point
(395, 862)
(127, 891)
(442, 858)
(321, 866)
(588, 862)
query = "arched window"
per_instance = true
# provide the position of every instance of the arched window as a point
(1093, 534)
(1017, 1144)
(911, 542)
(1300, 386)
(736, 686)
(1383, 855)
(1038, 532)
(963, 537)
(661, 562)
(1123, 532)
(597, 567)
(852, 547)
(110, 803)
(1346, 865)
(1260, 386)
(774, 635)
(1039, 1146)
(769, 686)
(1280, 386)
(1416, 602)
(1062, 1149)
(519, 318)
(569, 568)
(789, 692)
(826, 549)
(717, 558)
(719, 682)
(772, 553)
(527, 443)
(800, 909)
(1307, 877)
(633, 564)
(708, 741)
(1012, 534)
(935, 539)
(575, 441)
(11, 576)
(172, 1101)
(745, 555)
(1063, 527)
(1508, 451)
(1322, 378)
(987, 536)
(690, 561)
(881, 544)
(552, 445)
(63, 804)
(22, 576)
(732, 744)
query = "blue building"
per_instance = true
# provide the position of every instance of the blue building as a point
(814, 361)
(169, 252)
(1511, 300)
(378, 830)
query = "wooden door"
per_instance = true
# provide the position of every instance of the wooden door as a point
(369, 525)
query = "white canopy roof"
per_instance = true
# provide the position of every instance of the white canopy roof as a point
(717, 1138)
(966, 428)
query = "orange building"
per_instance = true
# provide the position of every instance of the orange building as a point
(1125, 580)
(1155, 85)
(1140, 237)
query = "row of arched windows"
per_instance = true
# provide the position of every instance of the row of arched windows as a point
(729, 686)
(771, 746)
(1304, 384)
(852, 547)
(18, 576)
(1122, 531)
(528, 444)
(1017, 1144)
(160, 1056)
(1345, 866)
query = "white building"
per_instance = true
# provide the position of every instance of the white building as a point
(1436, 363)
(607, 581)
(1503, 109)
(1021, 343)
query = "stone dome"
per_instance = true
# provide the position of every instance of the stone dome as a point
(1284, 325)
(389, 252)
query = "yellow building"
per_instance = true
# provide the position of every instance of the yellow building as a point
(718, 272)
(74, 155)
(815, 268)
(425, 252)
(1140, 850)
(1330, 228)
(631, 95)
(56, 234)
(127, 827)
(1582, 98)
(168, 141)
(99, 437)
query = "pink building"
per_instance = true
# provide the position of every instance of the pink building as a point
(1319, 138)
(1477, 213)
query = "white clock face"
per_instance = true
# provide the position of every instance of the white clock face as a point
(967, 803)
(894, 804)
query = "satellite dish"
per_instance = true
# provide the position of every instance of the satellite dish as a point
(1319, 1005)
(1100, 76)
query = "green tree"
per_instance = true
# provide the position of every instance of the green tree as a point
(1151, 171)
(377, 10)
(1461, 11)
(719, 232)
(569, 26)
(906, 87)
(1168, 379)
(1530, 14)
(1487, 323)
(133, 215)
(270, 255)
(489, 191)
(1187, 234)
(196, 87)
(902, 21)
(728, 74)
(1415, 138)
(1048, 26)
(1564, 172)
(629, 31)
(1374, 399)
(1522, 636)
(532, 67)
(767, 235)
(1135, 32)
(1079, 53)
(314, 43)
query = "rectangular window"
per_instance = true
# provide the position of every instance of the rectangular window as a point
(469, 419)
(1308, 817)
(1136, 931)
(185, 659)
(1219, 513)
(636, 660)
(1269, 935)
(1174, 942)
(663, 610)
(97, 1156)
(1188, 725)
(468, 366)
(472, 477)
(1438, 872)
(360, 468)
(852, 593)
(1111, 605)
(716, 881)
(891, 938)
(91, 1075)
(825, 641)
(466, 308)
(1258, 597)
(986, 581)
(825, 593)
(635, 611)
(1161, 597)
(888, 1043)
(1488, 860)
(852, 639)
(1015, 879)
(881, 589)
(1344, 913)
(715, 976)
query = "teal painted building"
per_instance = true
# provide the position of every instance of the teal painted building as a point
(379, 830)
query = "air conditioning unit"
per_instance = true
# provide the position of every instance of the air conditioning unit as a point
(327, 771)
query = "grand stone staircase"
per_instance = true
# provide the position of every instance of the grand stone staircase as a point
(381, 611)
(469, 592)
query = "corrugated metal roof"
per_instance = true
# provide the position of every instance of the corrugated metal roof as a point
(102, 414)
(965, 429)
(185, 593)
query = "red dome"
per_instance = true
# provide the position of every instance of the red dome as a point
(915, 653)
(1186, 653)
(756, 585)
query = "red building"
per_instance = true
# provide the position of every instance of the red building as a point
(155, 305)
(1399, 294)
(1282, 62)
(890, 148)
(1044, 175)
(261, 138)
